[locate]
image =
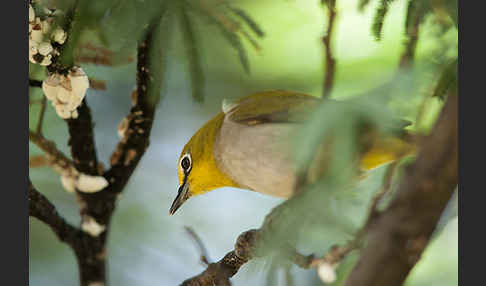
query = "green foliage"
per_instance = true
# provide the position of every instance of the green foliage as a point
(362, 4)
(447, 80)
(416, 12)
(195, 68)
(223, 17)
(379, 18)
(249, 21)
(119, 24)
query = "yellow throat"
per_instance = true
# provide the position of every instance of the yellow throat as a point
(205, 174)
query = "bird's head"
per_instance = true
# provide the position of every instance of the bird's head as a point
(197, 168)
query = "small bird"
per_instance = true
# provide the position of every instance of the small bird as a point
(248, 144)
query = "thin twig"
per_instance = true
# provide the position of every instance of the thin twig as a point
(35, 83)
(97, 55)
(97, 84)
(330, 61)
(36, 161)
(204, 254)
(55, 156)
(41, 115)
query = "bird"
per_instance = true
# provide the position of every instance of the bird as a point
(247, 144)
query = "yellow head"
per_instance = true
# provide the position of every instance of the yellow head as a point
(198, 171)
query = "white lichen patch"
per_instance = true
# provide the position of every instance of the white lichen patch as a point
(90, 184)
(42, 33)
(45, 48)
(59, 36)
(68, 183)
(66, 93)
(326, 273)
(92, 227)
(122, 127)
(31, 14)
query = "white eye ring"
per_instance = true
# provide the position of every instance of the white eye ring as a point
(188, 156)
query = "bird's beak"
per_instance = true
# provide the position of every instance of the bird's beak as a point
(182, 196)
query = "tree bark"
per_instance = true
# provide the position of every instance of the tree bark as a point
(398, 236)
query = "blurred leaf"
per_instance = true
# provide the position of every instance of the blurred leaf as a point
(195, 68)
(228, 27)
(447, 80)
(379, 18)
(235, 41)
(249, 21)
(362, 4)
(416, 11)
(158, 61)
(451, 7)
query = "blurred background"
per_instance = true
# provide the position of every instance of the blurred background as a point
(147, 246)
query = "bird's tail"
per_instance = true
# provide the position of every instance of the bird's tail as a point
(388, 149)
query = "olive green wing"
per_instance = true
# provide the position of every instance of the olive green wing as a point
(271, 107)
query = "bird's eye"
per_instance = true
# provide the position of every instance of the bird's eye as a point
(186, 163)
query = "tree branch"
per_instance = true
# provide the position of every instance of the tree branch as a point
(135, 139)
(35, 83)
(81, 141)
(54, 156)
(41, 115)
(98, 207)
(398, 235)
(42, 209)
(326, 40)
(220, 272)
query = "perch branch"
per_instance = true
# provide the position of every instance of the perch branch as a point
(398, 235)
(220, 272)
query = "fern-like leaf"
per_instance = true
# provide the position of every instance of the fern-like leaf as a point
(195, 68)
(379, 18)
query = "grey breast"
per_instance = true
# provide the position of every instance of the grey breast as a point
(257, 157)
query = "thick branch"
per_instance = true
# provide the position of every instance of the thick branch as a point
(399, 234)
(81, 140)
(42, 209)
